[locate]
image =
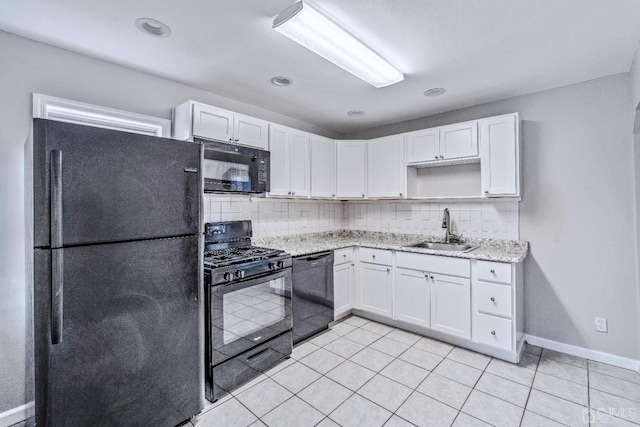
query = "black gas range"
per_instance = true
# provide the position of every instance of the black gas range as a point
(248, 307)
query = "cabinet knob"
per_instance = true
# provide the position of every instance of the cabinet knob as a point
(352, 265)
(333, 195)
(493, 333)
(388, 270)
(231, 139)
(400, 194)
(374, 257)
(363, 195)
(237, 139)
(344, 255)
(441, 156)
(436, 157)
(492, 299)
(486, 191)
(293, 193)
(289, 192)
(492, 271)
(431, 277)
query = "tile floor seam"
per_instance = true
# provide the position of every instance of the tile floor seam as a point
(472, 389)
(557, 397)
(529, 394)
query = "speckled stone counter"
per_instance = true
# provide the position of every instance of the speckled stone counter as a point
(511, 251)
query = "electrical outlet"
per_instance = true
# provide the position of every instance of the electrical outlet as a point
(601, 324)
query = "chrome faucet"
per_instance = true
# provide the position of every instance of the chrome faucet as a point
(446, 223)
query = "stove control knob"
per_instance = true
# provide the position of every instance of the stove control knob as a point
(228, 276)
(272, 266)
(280, 264)
(240, 274)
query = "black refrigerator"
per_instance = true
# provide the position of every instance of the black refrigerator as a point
(116, 266)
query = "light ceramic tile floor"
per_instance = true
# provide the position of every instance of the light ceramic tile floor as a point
(365, 374)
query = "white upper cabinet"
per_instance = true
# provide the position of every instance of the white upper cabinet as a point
(386, 167)
(459, 140)
(443, 144)
(351, 169)
(323, 167)
(500, 152)
(290, 162)
(196, 119)
(423, 145)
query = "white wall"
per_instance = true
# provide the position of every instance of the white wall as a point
(577, 210)
(26, 67)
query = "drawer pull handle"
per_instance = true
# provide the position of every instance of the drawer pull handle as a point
(492, 271)
(344, 255)
(493, 333)
(374, 257)
(493, 299)
(253, 356)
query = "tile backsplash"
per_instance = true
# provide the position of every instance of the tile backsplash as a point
(284, 217)
(277, 217)
(494, 220)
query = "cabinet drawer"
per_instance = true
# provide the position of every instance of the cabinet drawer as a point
(434, 264)
(492, 298)
(342, 255)
(494, 331)
(494, 271)
(376, 256)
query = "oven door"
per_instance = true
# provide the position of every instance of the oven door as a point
(245, 314)
(232, 168)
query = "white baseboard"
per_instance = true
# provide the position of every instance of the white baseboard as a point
(15, 415)
(598, 356)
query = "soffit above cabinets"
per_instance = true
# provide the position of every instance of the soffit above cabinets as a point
(478, 51)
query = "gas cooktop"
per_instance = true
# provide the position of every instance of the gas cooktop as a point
(229, 256)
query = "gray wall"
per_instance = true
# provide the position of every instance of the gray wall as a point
(27, 67)
(577, 209)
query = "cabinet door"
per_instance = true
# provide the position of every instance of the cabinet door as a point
(212, 122)
(343, 292)
(300, 164)
(459, 140)
(451, 305)
(280, 170)
(499, 154)
(375, 285)
(323, 167)
(423, 145)
(412, 297)
(386, 167)
(351, 169)
(251, 131)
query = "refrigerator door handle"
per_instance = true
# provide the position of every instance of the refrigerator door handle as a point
(57, 269)
(57, 261)
(56, 198)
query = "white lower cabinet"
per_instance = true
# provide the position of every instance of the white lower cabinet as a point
(478, 304)
(412, 297)
(343, 284)
(451, 305)
(376, 288)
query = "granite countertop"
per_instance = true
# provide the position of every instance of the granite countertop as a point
(511, 251)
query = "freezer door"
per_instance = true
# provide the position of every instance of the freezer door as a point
(113, 186)
(128, 349)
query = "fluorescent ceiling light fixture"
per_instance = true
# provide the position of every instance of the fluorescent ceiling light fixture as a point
(308, 27)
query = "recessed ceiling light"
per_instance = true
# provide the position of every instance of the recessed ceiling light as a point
(355, 113)
(436, 91)
(281, 81)
(153, 27)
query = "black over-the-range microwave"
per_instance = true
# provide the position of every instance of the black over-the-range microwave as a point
(231, 168)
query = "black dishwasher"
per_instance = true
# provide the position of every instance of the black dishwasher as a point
(312, 295)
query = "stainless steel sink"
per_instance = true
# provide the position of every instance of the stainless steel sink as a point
(457, 247)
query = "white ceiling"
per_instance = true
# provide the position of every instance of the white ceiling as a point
(479, 50)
